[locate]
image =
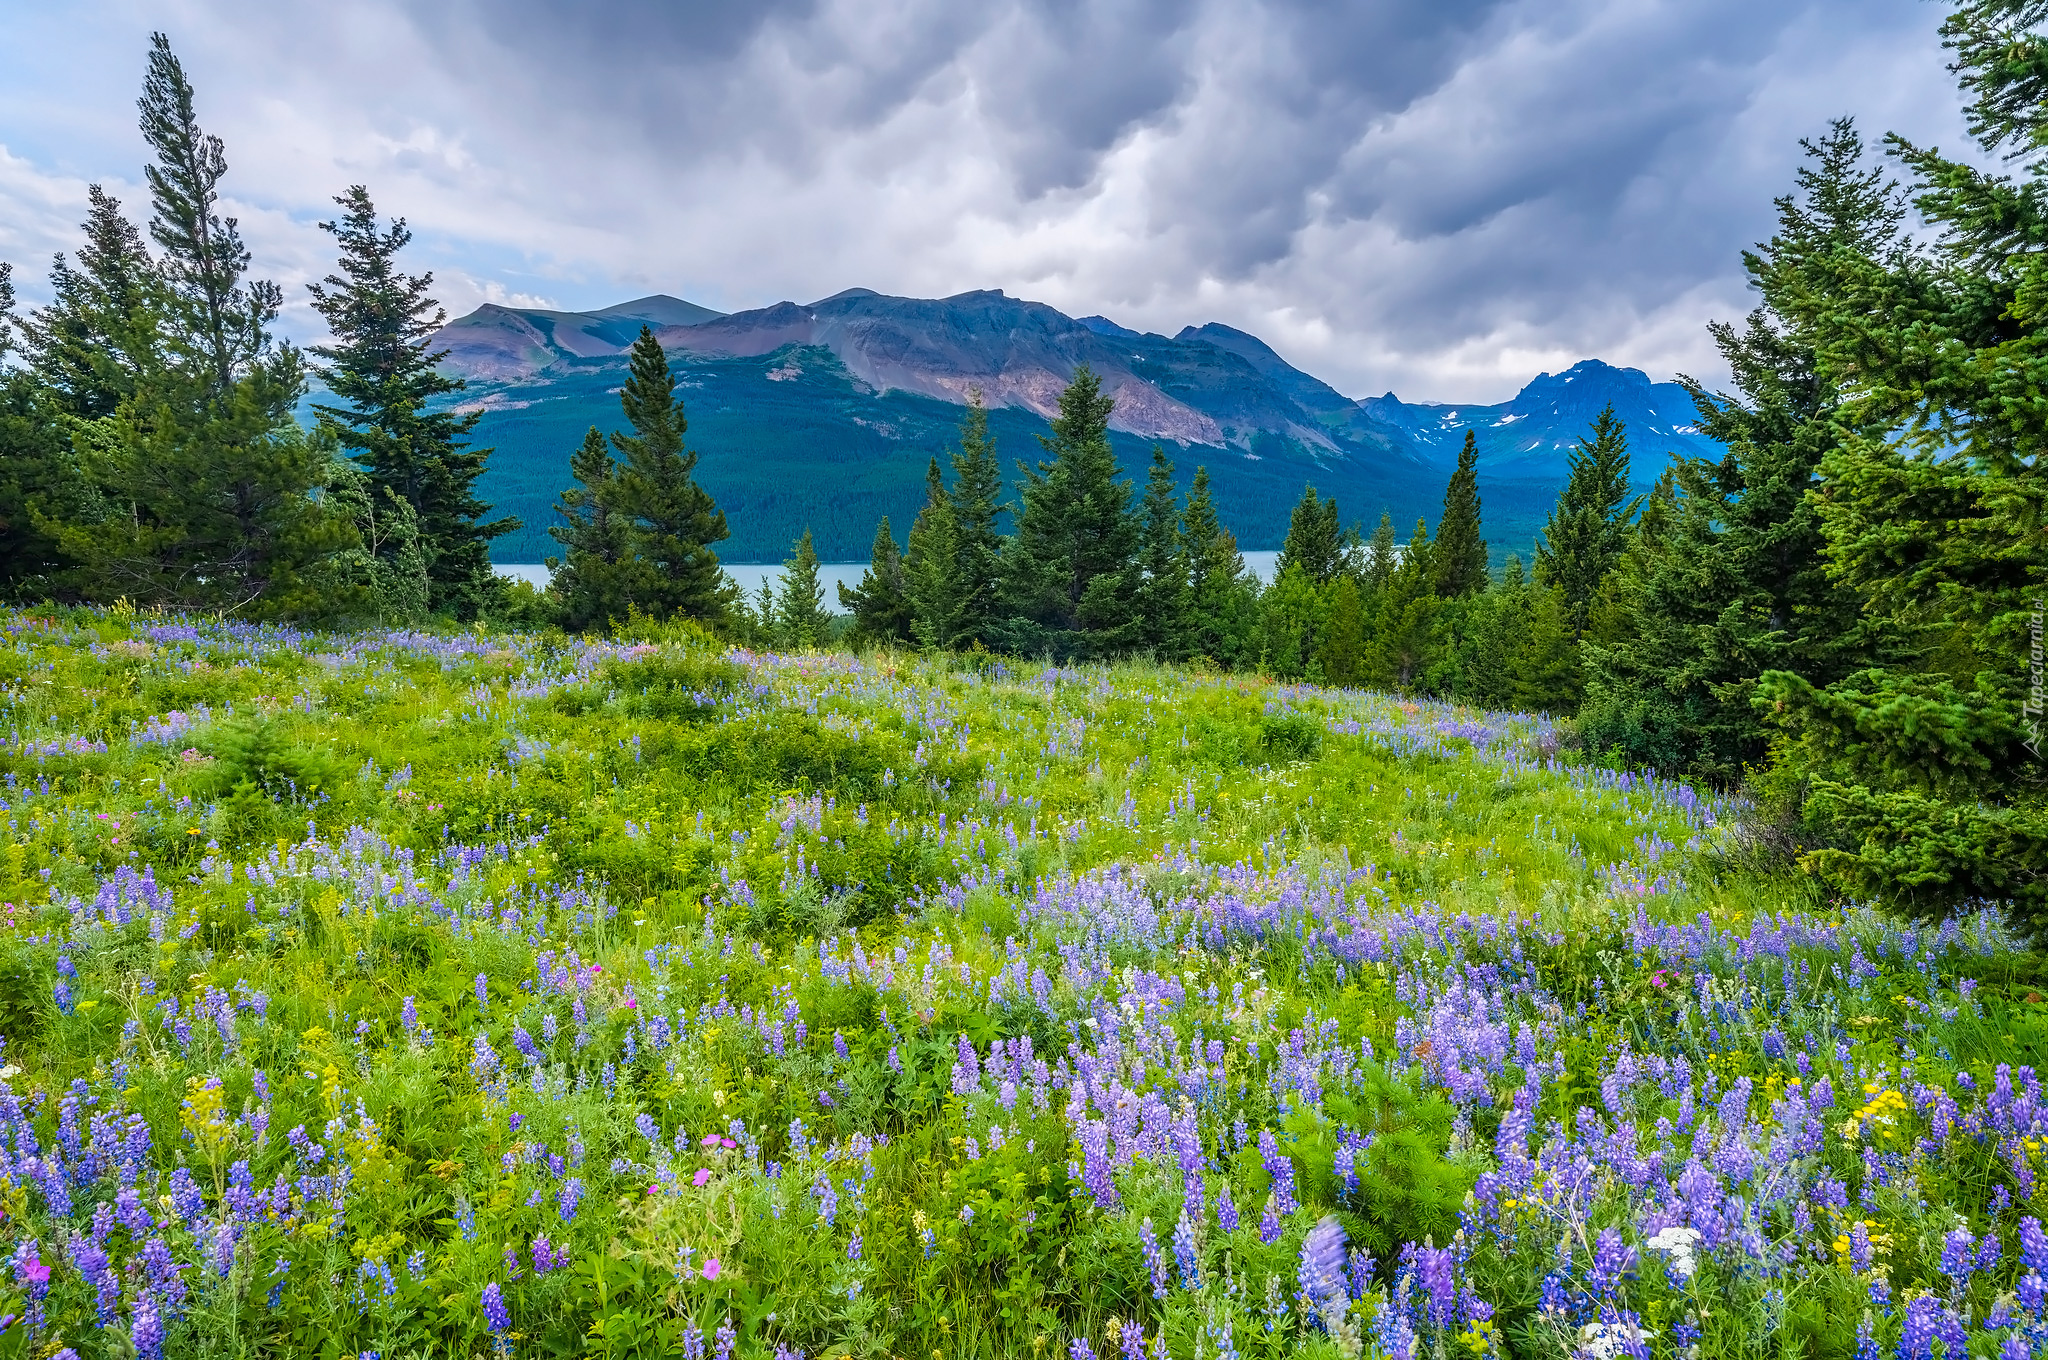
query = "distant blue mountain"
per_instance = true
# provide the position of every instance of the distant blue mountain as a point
(1533, 434)
(824, 414)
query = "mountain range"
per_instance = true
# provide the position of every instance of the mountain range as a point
(825, 414)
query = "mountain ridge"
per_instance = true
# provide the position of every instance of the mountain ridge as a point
(826, 411)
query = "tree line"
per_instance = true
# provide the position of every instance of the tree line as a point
(1841, 615)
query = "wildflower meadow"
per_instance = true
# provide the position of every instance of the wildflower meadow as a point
(391, 994)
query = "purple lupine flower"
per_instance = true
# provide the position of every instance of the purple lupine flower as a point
(495, 1314)
(1185, 1253)
(1281, 1169)
(483, 990)
(1959, 1257)
(723, 1343)
(1438, 1266)
(570, 1196)
(1154, 1262)
(1860, 1253)
(1321, 1271)
(1226, 1211)
(2033, 1244)
(1269, 1224)
(146, 1329)
(1079, 1349)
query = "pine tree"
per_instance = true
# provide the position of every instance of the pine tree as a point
(1342, 650)
(1924, 772)
(976, 504)
(1290, 626)
(880, 604)
(1069, 572)
(209, 482)
(1162, 595)
(1222, 604)
(1740, 584)
(382, 366)
(1315, 540)
(931, 575)
(1460, 553)
(1382, 555)
(1588, 529)
(89, 346)
(671, 570)
(1399, 652)
(35, 463)
(596, 538)
(220, 320)
(801, 619)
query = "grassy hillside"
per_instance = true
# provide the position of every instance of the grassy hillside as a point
(428, 995)
(811, 446)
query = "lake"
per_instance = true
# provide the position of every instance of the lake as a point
(751, 575)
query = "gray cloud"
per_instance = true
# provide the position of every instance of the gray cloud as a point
(1439, 196)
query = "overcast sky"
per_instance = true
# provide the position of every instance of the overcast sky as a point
(1439, 197)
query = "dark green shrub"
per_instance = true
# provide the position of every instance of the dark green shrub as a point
(684, 687)
(1290, 736)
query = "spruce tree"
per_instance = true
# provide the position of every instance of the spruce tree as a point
(1923, 770)
(1342, 649)
(382, 367)
(976, 504)
(1290, 626)
(801, 619)
(1382, 555)
(671, 570)
(1460, 553)
(91, 343)
(1588, 528)
(1740, 583)
(1315, 540)
(1069, 573)
(36, 465)
(209, 482)
(1399, 652)
(931, 574)
(221, 319)
(880, 604)
(1222, 605)
(1162, 595)
(597, 540)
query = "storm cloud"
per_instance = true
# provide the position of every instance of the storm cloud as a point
(1439, 197)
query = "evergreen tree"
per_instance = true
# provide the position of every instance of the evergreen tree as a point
(1315, 540)
(1342, 650)
(931, 575)
(1923, 772)
(880, 604)
(1382, 555)
(1740, 584)
(597, 540)
(381, 365)
(91, 343)
(1069, 571)
(35, 461)
(220, 319)
(210, 486)
(671, 571)
(1290, 626)
(801, 619)
(976, 504)
(1460, 553)
(1399, 652)
(1222, 602)
(1588, 528)
(1162, 595)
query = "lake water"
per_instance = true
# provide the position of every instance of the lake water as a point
(751, 575)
